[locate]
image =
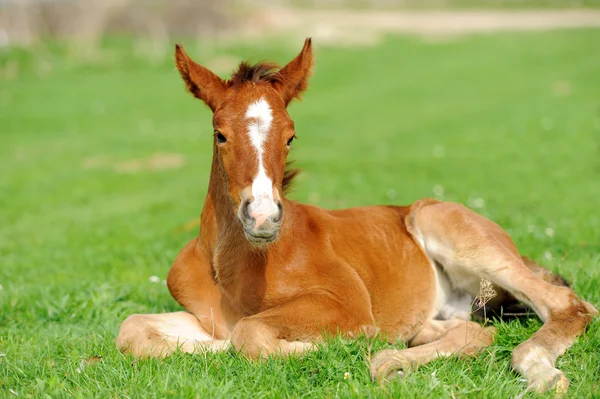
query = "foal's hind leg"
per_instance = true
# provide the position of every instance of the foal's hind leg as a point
(466, 244)
(445, 338)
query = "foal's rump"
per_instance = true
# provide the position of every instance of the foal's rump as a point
(459, 242)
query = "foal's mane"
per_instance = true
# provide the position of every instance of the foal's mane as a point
(288, 176)
(263, 72)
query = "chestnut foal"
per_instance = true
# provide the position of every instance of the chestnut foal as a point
(270, 276)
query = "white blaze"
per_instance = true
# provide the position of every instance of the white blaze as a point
(259, 117)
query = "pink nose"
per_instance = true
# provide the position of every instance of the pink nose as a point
(262, 217)
(259, 218)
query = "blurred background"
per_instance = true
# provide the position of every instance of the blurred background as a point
(105, 158)
(25, 22)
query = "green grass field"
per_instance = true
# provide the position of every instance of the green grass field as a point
(105, 166)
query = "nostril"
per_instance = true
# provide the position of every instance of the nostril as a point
(277, 218)
(245, 207)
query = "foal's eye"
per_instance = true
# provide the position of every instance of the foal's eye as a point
(220, 138)
(289, 143)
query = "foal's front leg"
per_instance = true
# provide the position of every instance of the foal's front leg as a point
(204, 326)
(295, 326)
(159, 335)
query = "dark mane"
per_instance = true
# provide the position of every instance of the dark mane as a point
(288, 176)
(257, 73)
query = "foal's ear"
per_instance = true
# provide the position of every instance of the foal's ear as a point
(200, 81)
(294, 76)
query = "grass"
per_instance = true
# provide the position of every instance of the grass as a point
(508, 124)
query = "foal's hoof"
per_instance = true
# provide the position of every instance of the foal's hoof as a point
(550, 379)
(390, 364)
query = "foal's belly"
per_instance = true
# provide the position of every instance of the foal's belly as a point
(397, 274)
(404, 293)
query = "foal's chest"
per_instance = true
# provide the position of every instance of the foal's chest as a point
(245, 285)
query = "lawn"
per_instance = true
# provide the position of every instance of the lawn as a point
(105, 165)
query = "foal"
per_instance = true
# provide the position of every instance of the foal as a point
(268, 275)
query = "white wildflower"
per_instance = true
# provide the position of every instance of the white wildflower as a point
(434, 380)
(438, 190)
(549, 231)
(347, 375)
(154, 279)
(477, 203)
(548, 255)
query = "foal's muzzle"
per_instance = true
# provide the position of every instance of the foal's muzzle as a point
(261, 222)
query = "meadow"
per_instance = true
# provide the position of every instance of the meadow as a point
(105, 165)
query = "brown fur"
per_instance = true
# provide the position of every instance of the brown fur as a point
(404, 271)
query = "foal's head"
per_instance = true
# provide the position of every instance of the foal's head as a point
(252, 133)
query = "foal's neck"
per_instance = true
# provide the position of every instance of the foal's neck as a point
(220, 230)
(236, 264)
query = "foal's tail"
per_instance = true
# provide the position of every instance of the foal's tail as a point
(545, 274)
